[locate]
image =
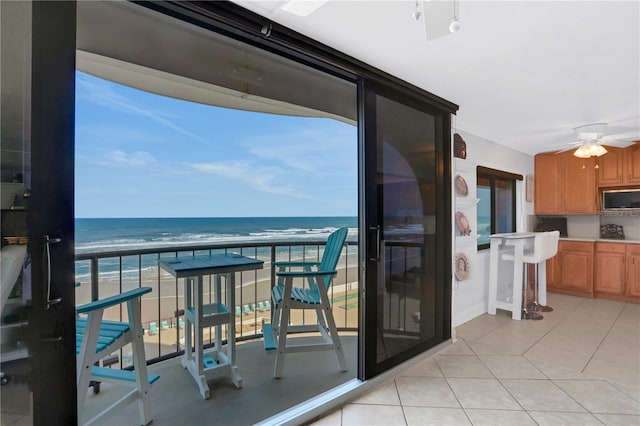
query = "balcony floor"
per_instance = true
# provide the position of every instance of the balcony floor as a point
(176, 400)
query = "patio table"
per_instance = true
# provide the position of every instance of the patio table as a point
(218, 361)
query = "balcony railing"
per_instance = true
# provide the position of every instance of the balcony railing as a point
(102, 274)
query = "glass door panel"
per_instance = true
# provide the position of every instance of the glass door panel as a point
(407, 233)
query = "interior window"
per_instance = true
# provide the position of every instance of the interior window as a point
(496, 192)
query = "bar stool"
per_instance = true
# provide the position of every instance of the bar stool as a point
(545, 246)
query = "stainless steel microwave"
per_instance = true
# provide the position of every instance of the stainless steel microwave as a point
(621, 199)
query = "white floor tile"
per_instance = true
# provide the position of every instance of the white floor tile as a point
(499, 417)
(511, 367)
(598, 396)
(460, 347)
(550, 418)
(462, 366)
(426, 368)
(541, 395)
(498, 343)
(426, 392)
(619, 419)
(371, 415)
(435, 416)
(385, 394)
(483, 393)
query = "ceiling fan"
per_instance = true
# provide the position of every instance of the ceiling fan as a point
(591, 137)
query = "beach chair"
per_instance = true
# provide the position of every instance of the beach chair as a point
(286, 297)
(247, 310)
(164, 325)
(180, 323)
(153, 329)
(254, 308)
(267, 305)
(96, 339)
(261, 307)
(238, 311)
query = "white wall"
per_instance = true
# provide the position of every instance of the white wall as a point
(470, 296)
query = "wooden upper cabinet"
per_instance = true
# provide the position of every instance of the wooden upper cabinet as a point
(611, 171)
(633, 163)
(547, 198)
(620, 166)
(579, 192)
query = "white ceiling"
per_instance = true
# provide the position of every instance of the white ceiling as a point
(523, 73)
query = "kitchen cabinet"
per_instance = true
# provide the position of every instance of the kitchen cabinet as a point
(547, 184)
(612, 165)
(619, 167)
(565, 184)
(633, 271)
(572, 272)
(579, 194)
(610, 268)
(633, 164)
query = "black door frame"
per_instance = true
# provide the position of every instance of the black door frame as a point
(52, 340)
(369, 367)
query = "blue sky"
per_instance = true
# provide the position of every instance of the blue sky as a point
(143, 155)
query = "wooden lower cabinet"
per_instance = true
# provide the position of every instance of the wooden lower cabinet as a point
(610, 269)
(571, 271)
(633, 271)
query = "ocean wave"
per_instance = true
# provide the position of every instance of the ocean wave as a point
(186, 239)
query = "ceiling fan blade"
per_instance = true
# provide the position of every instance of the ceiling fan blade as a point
(566, 149)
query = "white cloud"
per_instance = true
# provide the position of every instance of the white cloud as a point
(102, 94)
(314, 151)
(133, 159)
(257, 177)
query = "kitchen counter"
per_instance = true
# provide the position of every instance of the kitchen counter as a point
(600, 240)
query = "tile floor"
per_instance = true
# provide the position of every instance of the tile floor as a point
(580, 365)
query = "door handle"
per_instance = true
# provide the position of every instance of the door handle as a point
(48, 303)
(375, 230)
(58, 339)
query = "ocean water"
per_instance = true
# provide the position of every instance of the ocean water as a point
(100, 235)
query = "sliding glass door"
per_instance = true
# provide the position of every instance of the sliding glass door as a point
(38, 312)
(406, 213)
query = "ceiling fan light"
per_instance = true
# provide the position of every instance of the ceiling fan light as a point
(599, 150)
(582, 152)
(590, 150)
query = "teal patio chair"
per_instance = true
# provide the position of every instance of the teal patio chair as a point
(261, 307)
(97, 338)
(164, 325)
(238, 311)
(287, 297)
(180, 323)
(153, 328)
(247, 310)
